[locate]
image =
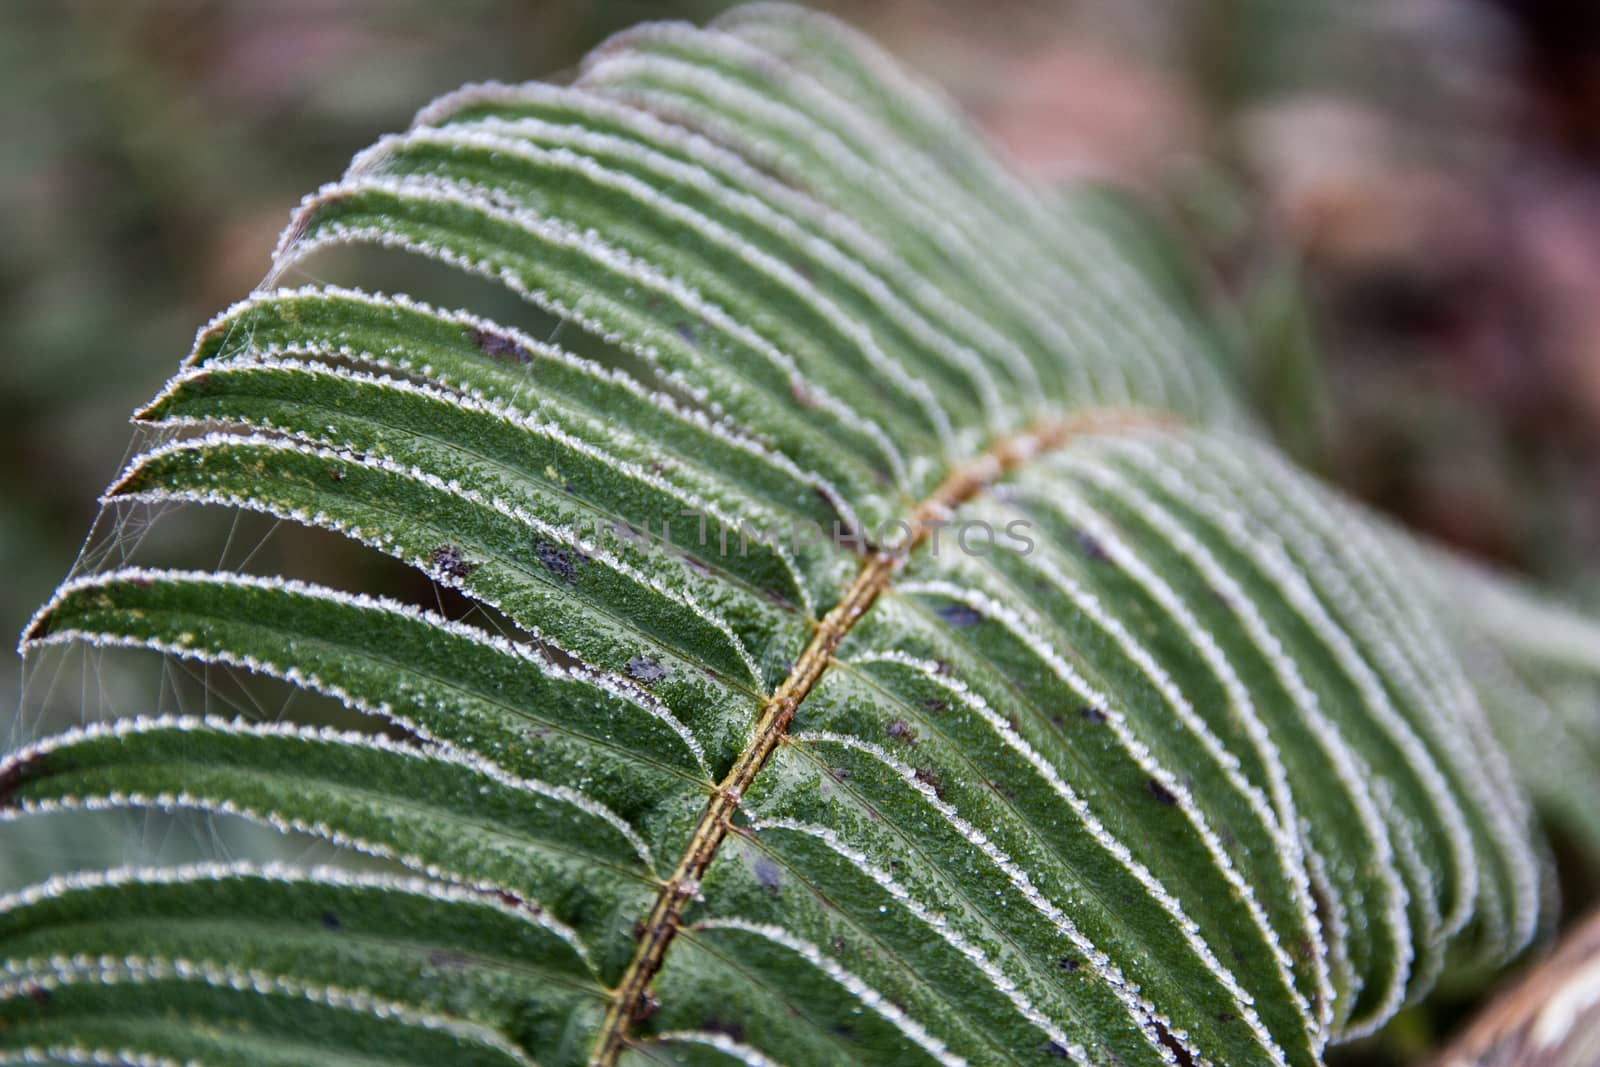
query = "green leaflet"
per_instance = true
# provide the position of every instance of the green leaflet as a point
(466, 821)
(436, 678)
(517, 460)
(489, 547)
(603, 410)
(568, 272)
(1208, 766)
(228, 1017)
(513, 968)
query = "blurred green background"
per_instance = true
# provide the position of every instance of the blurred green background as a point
(1388, 209)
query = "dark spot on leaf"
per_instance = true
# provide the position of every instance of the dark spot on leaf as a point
(557, 560)
(931, 780)
(335, 474)
(769, 874)
(1067, 963)
(1055, 1051)
(647, 1006)
(901, 731)
(941, 666)
(1090, 546)
(1226, 1017)
(646, 670)
(1094, 714)
(1161, 792)
(843, 1032)
(733, 1030)
(1179, 1052)
(449, 559)
(685, 331)
(934, 705)
(511, 900)
(840, 774)
(12, 778)
(330, 921)
(960, 615)
(499, 346)
(39, 995)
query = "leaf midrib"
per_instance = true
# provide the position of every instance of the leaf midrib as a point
(961, 484)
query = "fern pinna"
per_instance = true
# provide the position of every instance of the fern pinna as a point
(1199, 766)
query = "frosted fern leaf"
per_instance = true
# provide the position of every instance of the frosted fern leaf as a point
(1207, 771)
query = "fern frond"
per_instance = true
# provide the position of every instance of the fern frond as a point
(1188, 761)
